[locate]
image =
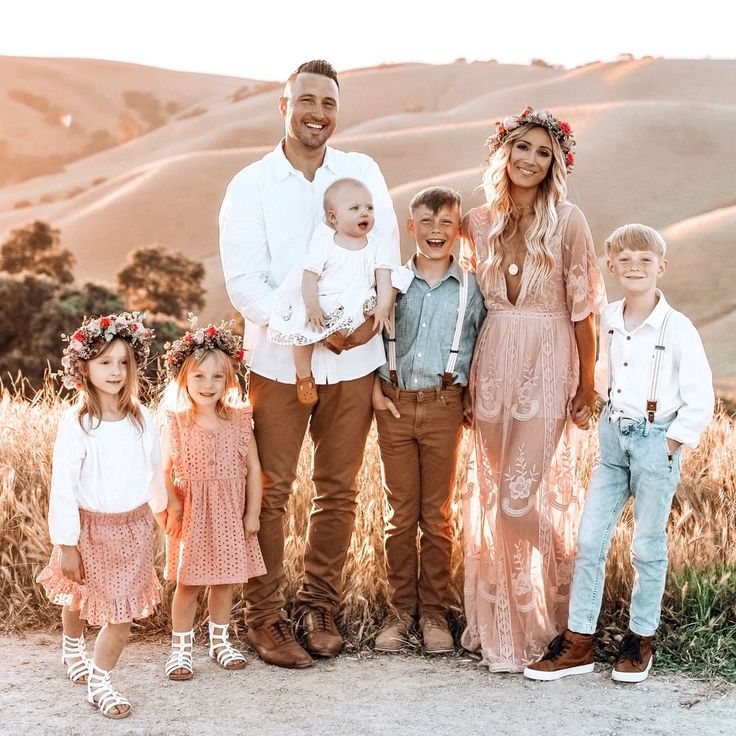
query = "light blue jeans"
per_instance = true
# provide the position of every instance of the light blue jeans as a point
(633, 462)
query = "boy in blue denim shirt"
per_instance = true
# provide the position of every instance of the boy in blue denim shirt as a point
(653, 369)
(420, 406)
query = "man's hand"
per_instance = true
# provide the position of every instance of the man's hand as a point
(360, 335)
(71, 564)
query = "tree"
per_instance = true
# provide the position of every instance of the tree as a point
(161, 281)
(36, 248)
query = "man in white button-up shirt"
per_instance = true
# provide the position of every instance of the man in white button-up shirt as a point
(653, 371)
(270, 211)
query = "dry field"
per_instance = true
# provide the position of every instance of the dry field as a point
(699, 624)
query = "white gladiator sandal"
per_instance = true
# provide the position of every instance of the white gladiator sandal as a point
(101, 695)
(73, 649)
(221, 650)
(181, 656)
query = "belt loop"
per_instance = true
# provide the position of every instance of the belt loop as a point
(437, 393)
(646, 425)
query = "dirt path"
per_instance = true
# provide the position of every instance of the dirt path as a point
(372, 695)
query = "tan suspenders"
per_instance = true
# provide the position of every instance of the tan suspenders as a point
(452, 360)
(659, 349)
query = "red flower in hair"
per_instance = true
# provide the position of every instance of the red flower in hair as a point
(78, 336)
(241, 355)
(188, 337)
(525, 112)
(211, 331)
(565, 127)
(500, 129)
(134, 327)
(570, 159)
(105, 323)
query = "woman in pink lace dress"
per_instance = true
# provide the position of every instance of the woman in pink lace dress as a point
(532, 371)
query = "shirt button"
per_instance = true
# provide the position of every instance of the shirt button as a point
(625, 364)
(210, 462)
(419, 355)
(618, 390)
(416, 380)
(424, 324)
(429, 294)
(628, 337)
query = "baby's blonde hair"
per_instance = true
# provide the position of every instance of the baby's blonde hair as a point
(231, 396)
(635, 237)
(328, 200)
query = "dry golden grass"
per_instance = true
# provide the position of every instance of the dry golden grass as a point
(702, 548)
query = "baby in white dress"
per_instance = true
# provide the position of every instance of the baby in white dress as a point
(342, 282)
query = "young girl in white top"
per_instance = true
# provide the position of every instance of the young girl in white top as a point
(211, 465)
(106, 479)
(342, 281)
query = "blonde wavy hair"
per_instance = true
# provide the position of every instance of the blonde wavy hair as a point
(551, 193)
(88, 400)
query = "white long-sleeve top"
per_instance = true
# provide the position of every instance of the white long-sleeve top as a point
(685, 379)
(111, 468)
(267, 219)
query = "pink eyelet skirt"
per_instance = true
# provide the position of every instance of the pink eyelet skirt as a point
(120, 583)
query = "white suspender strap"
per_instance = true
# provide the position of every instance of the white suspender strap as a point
(462, 308)
(392, 374)
(656, 366)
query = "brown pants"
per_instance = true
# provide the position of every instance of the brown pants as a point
(419, 453)
(339, 426)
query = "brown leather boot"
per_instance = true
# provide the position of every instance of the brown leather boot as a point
(567, 654)
(634, 659)
(275, 644)
(323, 638)
(436, 634)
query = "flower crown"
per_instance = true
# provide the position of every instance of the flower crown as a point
(84, 344)
(199, 339)
(560, 129)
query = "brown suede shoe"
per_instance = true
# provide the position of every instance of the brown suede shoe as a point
(323, 638)
(276, 644)
(436, 634)
(393, 634)
(634, 659)
(567, 654)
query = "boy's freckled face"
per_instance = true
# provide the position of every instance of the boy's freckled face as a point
(435, 232)
(637, 271)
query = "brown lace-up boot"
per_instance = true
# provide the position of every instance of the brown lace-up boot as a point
(275, 644)
(634, 659)
(567, 654)
(323, 638)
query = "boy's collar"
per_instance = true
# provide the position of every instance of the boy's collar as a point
(454, 270)
(654, 319)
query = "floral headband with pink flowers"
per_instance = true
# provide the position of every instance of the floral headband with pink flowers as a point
(199, 339)
(94, 333)
(560, 129)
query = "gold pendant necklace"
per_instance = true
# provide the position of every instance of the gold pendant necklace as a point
(513, 268)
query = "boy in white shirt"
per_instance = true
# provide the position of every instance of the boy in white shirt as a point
(653, 369)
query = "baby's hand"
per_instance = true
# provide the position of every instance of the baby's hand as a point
(251, 524)
(317, 318)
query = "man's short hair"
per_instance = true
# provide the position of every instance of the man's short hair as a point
(434, 199)
(635, 237)
(315, 66)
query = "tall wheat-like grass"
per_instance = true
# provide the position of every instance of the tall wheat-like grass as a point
(699, 612)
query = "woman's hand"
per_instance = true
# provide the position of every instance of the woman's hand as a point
(71, 564)
(581, 406)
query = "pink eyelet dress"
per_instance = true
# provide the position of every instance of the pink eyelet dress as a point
(210, 469)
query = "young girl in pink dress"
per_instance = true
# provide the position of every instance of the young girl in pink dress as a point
(211, 464)
(106, 480)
